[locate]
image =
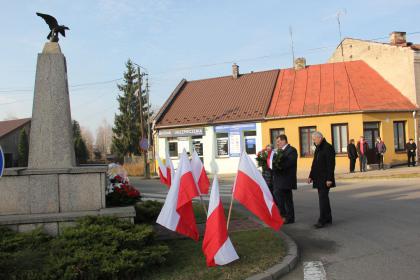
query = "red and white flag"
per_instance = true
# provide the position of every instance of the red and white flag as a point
(166, 172)
(177, 212)
(217, 246)
(251, 190)
(199, 174)
(270, 157)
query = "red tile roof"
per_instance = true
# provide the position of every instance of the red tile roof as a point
(219, 100)
(8, 126)
(334, 88)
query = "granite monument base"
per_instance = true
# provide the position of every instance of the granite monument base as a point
(54, 198)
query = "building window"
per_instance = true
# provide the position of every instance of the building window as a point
(399, 136)
(274, 132)
(173, 147)
(250, 142)
(306, 146)
(197, 142)
(222, 144)
(340, 137)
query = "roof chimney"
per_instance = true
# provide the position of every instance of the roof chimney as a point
(300, 63)
(235, 71)
(397, 38)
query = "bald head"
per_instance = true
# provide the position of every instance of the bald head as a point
(317, 137)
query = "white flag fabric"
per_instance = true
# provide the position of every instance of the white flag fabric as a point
(199, 174)
(217, 246)
(251, 190)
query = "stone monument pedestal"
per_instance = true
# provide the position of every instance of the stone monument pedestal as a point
(53, 192)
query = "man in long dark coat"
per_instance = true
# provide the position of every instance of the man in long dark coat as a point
(352, 154)
(285, 179)
(322, 176)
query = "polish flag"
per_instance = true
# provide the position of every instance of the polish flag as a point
(163, 172)
(166, 172)
(270, 157)
(217, 246)
(199, 174)
(177, 212)
(251, 190)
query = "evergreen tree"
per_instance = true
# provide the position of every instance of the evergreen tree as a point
(127, 122)
(79, 144)
(23, 148)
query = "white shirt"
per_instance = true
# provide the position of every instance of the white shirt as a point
(284, 147)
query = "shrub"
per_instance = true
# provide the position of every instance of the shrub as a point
(96, 248)
(22, 254)
(147, 211)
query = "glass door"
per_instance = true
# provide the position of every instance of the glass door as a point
(371, 132)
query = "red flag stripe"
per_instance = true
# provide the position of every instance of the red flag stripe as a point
(215, 235)
(203, 182)
(186, 224)
(168, 177)
(187, 189)
(249, 194)
(162, 178)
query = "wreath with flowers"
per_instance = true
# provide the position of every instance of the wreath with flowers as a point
(119, 191)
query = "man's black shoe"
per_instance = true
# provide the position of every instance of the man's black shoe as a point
(319, 225)
(289, 221)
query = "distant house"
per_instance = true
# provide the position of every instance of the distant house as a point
(9, 138)
(218, 117)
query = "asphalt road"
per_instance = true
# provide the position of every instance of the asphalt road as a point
(375, 232)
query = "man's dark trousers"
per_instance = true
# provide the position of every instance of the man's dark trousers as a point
(411, 159)
(285, 201)
(352, 164)
(324, 205)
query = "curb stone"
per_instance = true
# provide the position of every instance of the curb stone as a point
(287, 264)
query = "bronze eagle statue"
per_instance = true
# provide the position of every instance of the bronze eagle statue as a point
(54, 27)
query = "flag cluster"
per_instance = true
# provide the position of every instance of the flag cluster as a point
(190, 180)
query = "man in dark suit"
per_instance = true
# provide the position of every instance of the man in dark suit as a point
(411, 152)
(285, 179)
(352, 154)
(322, 176)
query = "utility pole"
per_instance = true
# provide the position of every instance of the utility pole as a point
(293, 48)
(149, 138)
(145, 159)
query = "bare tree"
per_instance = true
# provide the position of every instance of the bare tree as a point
(104, 138)
(88, 137)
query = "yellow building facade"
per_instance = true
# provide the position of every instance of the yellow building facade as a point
(357, 124)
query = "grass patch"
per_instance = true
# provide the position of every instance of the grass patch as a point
(201, 217)
(148, 211)
(258, 250)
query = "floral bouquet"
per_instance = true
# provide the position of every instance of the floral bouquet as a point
(262, 158)
(277, 159)
(119, 191)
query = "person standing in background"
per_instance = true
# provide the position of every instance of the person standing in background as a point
(352, 154)
(411, 148)
(362, 148)
(380, 150)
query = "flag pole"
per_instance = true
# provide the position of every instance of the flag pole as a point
(202, 201)
(230, 211)
(231, 205)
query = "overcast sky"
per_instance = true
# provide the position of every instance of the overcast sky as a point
(191, 39)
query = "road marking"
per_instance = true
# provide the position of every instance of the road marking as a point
(314, 271)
